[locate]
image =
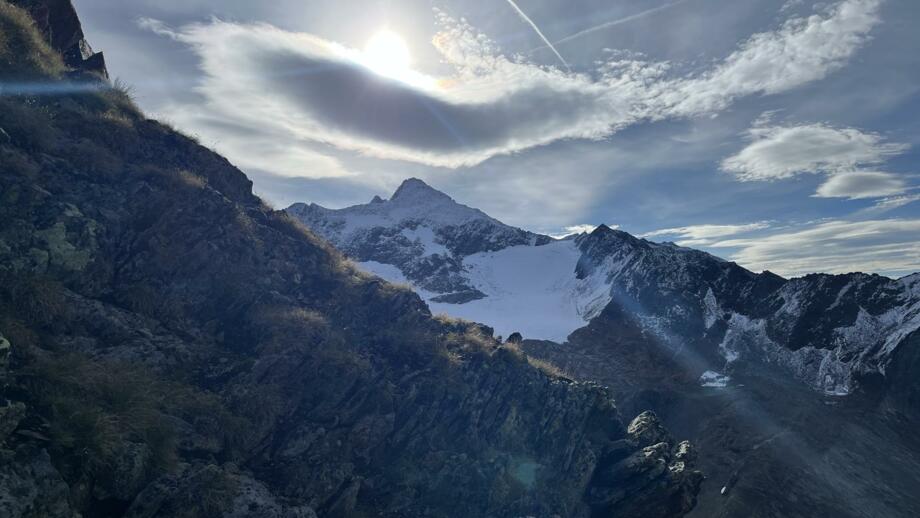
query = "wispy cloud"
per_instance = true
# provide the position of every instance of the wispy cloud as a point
(577, 229)
(702, 235)
(858, 185)
(803, 50)
(314, 90)
(889, 204)
(888, 246)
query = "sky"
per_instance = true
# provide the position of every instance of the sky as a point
(780, 134)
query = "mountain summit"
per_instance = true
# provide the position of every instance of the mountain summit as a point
(413, 190)
(420, 229)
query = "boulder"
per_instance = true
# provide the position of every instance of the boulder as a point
(647, 430)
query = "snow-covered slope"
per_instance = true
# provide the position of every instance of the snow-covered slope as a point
(831, 331)
(521, 282)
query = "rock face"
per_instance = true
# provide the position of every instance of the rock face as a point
(662, 463)
(59, 24)
(172, 347)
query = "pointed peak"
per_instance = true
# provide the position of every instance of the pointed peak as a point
(377, 199)
(416, 190)
(607, 234)
(601, 230)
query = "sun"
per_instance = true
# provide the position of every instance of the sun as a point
(387, 53)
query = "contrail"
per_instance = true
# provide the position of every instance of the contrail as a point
(613, 23)
(539, 33)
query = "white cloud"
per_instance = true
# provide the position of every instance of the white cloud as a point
(778, 152)
(257, 147)
(803, 50)
(889, 204)
(578, 229)
(888, 246)
(311, 89)
(702, 235)
(157, 27)
(860, 185)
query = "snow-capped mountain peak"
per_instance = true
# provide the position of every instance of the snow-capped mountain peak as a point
(414, 190)
(421, 231)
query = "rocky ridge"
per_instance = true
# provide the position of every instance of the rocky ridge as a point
(837, 333)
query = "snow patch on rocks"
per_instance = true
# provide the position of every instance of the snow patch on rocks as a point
(713, 379)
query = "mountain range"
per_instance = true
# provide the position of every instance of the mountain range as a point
(707, 344)
(837, 333)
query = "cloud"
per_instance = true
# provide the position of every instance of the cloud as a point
(861, 185)
(778, 152)
(157, 27)
(257, 147)
(317, 90)
(889, 204)
(702, 235)
(888, 246)
(803, 50)
(311, 89)
(578, 229)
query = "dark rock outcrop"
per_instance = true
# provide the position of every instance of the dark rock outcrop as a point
(59, 24)
(515, 338)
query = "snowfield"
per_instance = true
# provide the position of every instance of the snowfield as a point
(529, 289)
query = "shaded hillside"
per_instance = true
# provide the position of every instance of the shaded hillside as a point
(172, 347)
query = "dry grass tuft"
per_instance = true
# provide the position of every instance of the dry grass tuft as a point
(24, 54)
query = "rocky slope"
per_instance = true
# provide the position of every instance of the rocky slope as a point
(169, 346)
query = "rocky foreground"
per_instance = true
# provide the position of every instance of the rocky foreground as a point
(170, 346)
